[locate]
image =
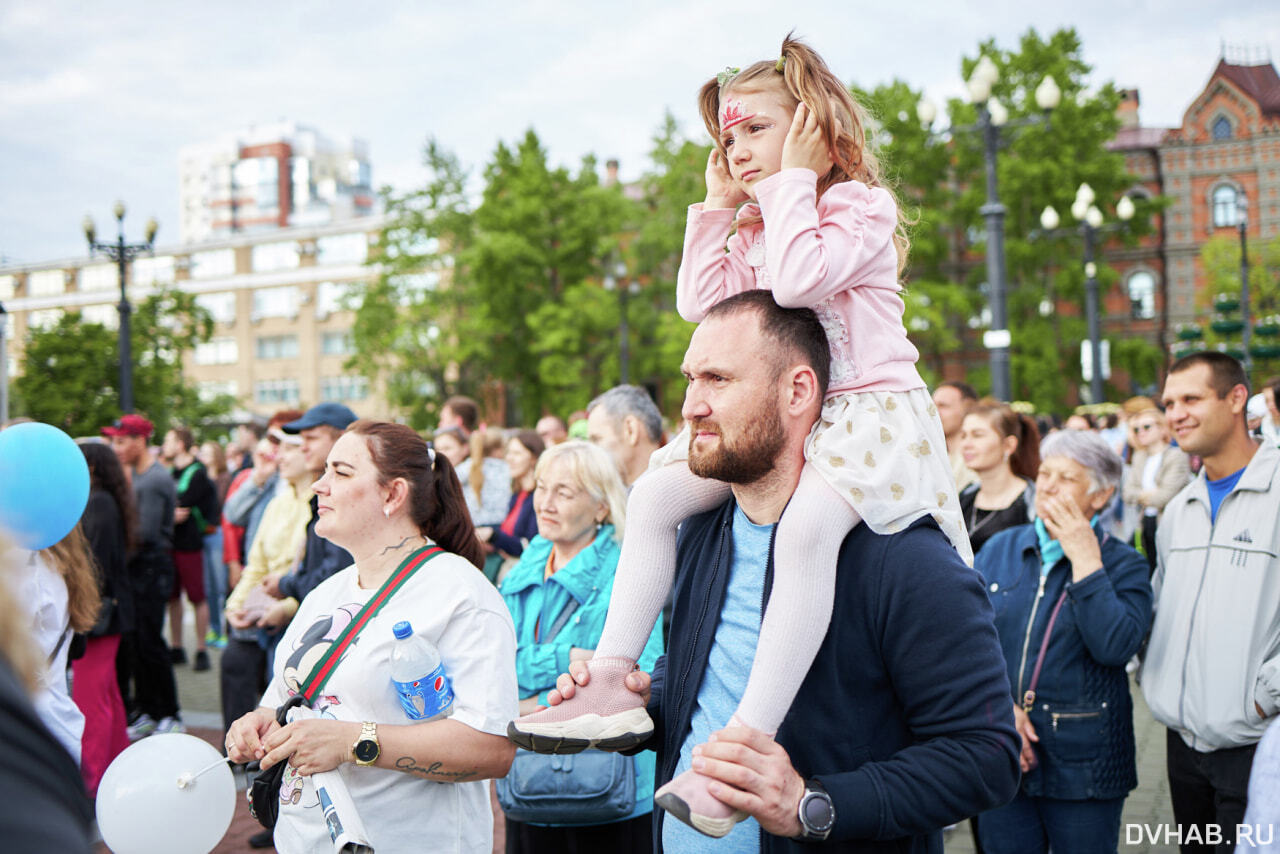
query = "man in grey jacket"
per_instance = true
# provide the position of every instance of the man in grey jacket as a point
(1211, 673)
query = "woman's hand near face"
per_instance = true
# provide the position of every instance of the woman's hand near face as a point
(244, 738)
(722, 191)
(311, 745)
(1066, 524)
(805, 147)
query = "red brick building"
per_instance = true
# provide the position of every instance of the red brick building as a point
(1227, 148)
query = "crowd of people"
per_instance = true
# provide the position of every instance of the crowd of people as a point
(863, 640)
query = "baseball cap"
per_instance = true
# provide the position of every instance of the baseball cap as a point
(130, 425)
(333, 414)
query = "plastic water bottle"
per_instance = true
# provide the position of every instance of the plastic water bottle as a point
(418, 676)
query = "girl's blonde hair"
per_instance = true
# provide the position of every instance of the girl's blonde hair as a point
(482, 444)
(596, 472)
(800, 74)
(16, 646)
(72, 558)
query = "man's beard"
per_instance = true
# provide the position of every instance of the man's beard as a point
(746, 460)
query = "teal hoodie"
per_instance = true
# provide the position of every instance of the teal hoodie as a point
(587, 578)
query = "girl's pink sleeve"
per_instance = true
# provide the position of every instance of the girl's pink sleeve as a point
(814, 250)
(708, 273)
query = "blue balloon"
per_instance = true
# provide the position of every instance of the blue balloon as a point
(44, 484)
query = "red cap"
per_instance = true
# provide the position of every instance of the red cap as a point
(130, 425)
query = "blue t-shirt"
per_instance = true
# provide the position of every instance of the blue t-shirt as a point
(725, 680)
(1218, 490)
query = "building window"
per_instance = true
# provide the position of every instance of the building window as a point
(1224, 206)
(342, 249)
(7, 284)
(46, 318)
(337, 344)
(275, 256)
(277, 347)
(344, 388)
(275, 302)
(153, 271)
(43, 283)
(210, 390)
(99, 277)
(217, 351)
(1221, 128)
(213, 263)
(333, 297)
(276, 391)
(222, 306)
(1142, 295)
(104, 315)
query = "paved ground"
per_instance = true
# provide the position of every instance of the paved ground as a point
(1147, 806)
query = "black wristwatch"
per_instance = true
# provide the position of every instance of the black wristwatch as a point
(367, 748)
(817, 813)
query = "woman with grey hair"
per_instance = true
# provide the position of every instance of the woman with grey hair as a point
(1072, 605)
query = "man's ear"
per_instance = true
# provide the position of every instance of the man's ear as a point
(802, 389)
(630, 430)
(1238, 398)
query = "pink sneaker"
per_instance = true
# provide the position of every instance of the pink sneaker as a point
(605, 714)
(688, 799)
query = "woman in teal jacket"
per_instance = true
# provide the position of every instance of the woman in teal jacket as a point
(579, 500)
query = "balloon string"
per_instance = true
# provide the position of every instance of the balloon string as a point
(187, 779)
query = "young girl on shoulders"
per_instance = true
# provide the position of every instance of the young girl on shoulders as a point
(795, 197)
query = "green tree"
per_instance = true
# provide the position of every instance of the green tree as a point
(941, 186)
(503, 300)
(1220, 257)
(70, 374)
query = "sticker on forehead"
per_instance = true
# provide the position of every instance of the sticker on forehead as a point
(733, 112)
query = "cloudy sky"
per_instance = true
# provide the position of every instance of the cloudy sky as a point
(96, 98)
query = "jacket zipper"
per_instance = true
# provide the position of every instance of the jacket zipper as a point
(1026, 639)
(1056, 716)
(1186, 654)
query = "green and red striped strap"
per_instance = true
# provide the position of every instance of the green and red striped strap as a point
(329, 662)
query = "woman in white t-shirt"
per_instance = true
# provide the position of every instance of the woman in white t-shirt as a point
(384, 495)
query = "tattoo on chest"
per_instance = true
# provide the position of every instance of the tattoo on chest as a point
(434, 771)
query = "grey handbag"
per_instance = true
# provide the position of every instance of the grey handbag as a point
(591, 787)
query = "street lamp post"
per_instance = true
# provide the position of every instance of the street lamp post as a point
(1246, 335)
(616, 280)
(122, 253)
(992, 116)
(1091, 225)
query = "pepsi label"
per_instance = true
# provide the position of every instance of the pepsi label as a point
(426, 698)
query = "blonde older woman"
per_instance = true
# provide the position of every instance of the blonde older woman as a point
(579, 502)
(1157, 472)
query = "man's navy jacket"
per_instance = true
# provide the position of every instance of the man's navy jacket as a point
(905, 716)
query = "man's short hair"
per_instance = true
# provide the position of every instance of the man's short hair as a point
(466, 409)
(966, 390)
(1225, 372)
(797, 331)
(185, 436)
(623, 400)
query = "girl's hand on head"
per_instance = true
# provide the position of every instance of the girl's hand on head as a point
(805, 147)
(722, 191)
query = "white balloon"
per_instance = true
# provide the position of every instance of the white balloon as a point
(151, 801)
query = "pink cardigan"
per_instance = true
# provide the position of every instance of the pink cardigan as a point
(835, 256)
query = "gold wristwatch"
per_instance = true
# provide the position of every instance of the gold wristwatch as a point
(366, 748)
